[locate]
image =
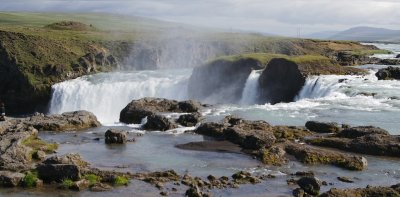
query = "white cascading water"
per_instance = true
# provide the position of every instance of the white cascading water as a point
(318, 87)
(107, 94)
(250, 90)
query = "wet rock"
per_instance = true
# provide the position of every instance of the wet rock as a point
(77, 120)
(10, 179)
(70, 158)
(355, 132)
(273, 156)
(368, 191)
(304, 173)
(39, 155)
(100, 187)
(58, 172)
(309, 155)
(164, 193)
(211, 129)
(136, 110)
(189, 120)
(388, 73)
(158, 123)
(80, 185)
(298, 192)
(113, 136)
(216, 146)
(322, 127)
(398, 56)
(310, 185)
(244, 178)
(389, 62)
(193, 192)
(155, 178)
(367, 94)
(345, 179)
(250, 139)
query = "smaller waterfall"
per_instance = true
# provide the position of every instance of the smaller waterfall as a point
(318, 87)
(250, 91)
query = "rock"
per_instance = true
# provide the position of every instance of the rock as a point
(58, 172)
(221, 81)
(189, 120)
(398, 56)
(158, 123)
(273, 156)
(136, 110)
(304, 173)
(388, 73)
(310, 155)
(250, 139)
(113, 136)
(211, 129)
(10, 179)
(310, 185)
(164, 193)
(244, 178)
(369, 191)
(155, 178)
(39, 155)
(193, 192)
(100, 187)
(345, 179)
(322, 127)
(389, 62)
(355, 132)
(71, 158)
(298, 192)
(68, 121)
(80, 185)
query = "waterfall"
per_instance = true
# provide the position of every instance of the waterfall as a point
(250, 90)
(106, 94)
(318, 87)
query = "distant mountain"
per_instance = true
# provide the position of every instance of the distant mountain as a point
(322, 34)
(368, 34)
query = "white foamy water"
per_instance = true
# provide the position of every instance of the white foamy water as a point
(250, 91)
(106, 94)
(395, 48)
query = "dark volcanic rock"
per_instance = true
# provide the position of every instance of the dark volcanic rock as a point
(355, 132)
(398, 56)
(369, 191)
(389, 62)
(211, 129)
(158, 123)
(189, 120)
(388, 73)
(10, 179)
(310, 185)
(281, 81)
(322, 127)
(113, 136)
(221, 81)
(136, 110)
(273, 156)
(67, 121)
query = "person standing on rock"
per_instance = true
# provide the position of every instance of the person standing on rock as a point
(3, 111)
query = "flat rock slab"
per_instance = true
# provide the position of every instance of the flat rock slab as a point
(213, 146)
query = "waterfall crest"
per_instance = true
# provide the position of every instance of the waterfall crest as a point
(251, 88)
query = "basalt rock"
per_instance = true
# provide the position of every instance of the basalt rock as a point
(10, 179)
(136, 110)
(368, 191)
(355, 132)
(322, 127)
(189, 120)
(398, 56)
(158, 123)
(77, 120)
(273, 156)
(389, 62)
(113, 136)
(388, 73)
(310, 185)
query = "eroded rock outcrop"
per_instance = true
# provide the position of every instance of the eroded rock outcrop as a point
(388, 73)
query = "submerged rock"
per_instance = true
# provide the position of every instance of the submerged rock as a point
(113, 136)
(388, 73)
(322, 127)
(77, 120)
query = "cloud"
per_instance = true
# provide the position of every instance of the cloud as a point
(280, 17)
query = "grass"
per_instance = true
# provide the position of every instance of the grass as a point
(30, 179)
(38, 144)
(92, 178)
(370, 52)
(121, 180)
(67, 183)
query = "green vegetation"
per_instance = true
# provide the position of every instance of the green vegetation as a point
(67, 183)
(92, 178)
(38, 144)
(121, 180)
(30, 179)
(370, 52)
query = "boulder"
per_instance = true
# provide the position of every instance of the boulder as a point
(193, 192)
(68, 121)
(298, 192)
(273, 156)
(211, 129)
(322, 127)
(58, 172)
(244, 178)
(136, 110)
(189, 120)
(368, 191)
(70, 158)
(355, 132)
(113, 136)
(389, 62)
(398, 56)
(10, 179)
(158, 123)
(80, 185)
(388, 73)
(310, 185)
(100, 187)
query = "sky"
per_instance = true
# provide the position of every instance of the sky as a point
(282, 17)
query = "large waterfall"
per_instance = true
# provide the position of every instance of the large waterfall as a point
(106, 94)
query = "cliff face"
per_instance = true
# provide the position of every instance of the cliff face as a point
(30, 65)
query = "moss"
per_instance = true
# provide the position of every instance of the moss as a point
(263, 58)
(30, 179)
(67, 183)
(121, 180)
(370, 52)
(38, 144)
(92, 178)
